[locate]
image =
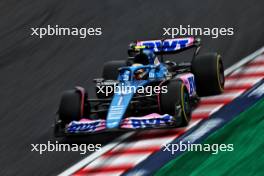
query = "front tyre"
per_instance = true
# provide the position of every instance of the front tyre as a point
(71, 106)
(176, 102)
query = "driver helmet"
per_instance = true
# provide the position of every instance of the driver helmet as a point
(145, 57)
(140, 73)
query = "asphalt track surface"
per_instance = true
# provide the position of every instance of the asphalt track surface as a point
(34, 72)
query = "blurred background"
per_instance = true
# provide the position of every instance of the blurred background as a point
(34, 72)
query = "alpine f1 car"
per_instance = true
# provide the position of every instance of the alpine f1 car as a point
(144, 91)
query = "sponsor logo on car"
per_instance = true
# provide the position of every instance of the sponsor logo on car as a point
(152, 120)
(166, 45)
(86, 126)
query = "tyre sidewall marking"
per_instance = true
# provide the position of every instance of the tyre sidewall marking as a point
(182, 102)
(218, 72)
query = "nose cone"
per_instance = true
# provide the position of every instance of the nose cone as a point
(112, 124)
(114, 116)
(119, 105)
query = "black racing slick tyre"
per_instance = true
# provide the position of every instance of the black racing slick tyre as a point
(110, 69)
(176, 102)
(70, 106)
(209, 76)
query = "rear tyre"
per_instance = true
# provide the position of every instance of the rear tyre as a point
(110, 70)
(176, 102)
(70, 106)
(208, 70)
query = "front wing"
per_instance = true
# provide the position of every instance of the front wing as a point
(153, 120)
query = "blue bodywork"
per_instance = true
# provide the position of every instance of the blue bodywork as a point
(154, 72)
(121, 100)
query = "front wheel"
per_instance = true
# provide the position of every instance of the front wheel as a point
(176, 102)
(71, 106)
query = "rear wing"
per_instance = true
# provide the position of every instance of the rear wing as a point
(165, 46)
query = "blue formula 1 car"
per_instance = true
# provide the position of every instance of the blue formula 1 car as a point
(143, 91)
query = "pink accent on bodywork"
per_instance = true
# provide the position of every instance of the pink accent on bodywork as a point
(190, 41)
(149, 116)
(86, 120)
(184, 78)
(126, 123)
(81, 90)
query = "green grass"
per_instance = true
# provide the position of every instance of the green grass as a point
(245, 132)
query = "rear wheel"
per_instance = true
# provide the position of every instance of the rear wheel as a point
(176, 102)
(110, 70)
(208, 70)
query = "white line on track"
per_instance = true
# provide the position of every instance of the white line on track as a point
(244, 61)
(241, 81)
(119, 140)
(118, 160)
(224, 96)
(251, 69)
(113, 173)
(207, 108)
(146, 143)
(95, 155)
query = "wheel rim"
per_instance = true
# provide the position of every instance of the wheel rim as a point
(221, 76)
(187, 107)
